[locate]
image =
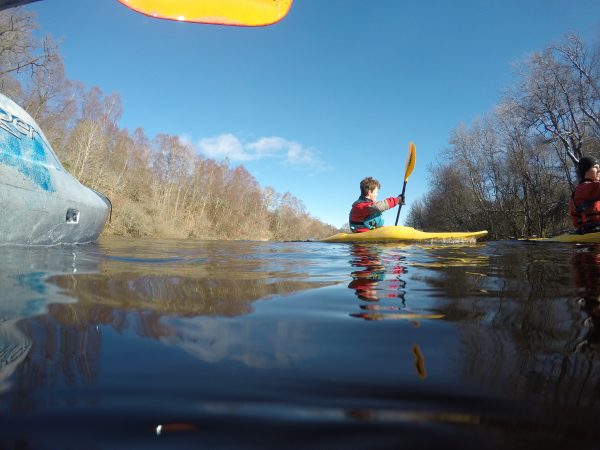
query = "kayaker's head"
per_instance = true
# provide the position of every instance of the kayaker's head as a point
(588, 168)
(369, 188)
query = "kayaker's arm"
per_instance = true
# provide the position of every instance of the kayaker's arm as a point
(384, 205)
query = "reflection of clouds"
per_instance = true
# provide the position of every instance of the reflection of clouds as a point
(267, 346)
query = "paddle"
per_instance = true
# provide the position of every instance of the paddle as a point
(219, 12)
(243, 13)
(410, 165)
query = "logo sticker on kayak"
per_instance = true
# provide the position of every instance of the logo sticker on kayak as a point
(22, 147)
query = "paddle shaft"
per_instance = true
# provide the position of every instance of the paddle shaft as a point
(400, 205)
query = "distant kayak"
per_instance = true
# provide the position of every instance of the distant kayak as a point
(573, 237)
(399, 234)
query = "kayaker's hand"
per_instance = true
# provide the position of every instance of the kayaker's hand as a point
(401, 199)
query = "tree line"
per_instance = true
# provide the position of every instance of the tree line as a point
(512, 170)
(159, 186)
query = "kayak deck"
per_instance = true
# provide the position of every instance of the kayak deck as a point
(400, 233)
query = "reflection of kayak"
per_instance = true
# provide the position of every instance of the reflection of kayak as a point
(577, 238)
(398, 233)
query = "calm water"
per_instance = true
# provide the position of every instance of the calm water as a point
(173, 344)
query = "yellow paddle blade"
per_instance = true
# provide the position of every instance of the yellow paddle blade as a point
(250, 13)
(410, 160)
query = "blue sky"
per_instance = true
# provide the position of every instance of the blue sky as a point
(331, 94)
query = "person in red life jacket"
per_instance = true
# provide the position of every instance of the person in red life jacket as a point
(584, 205)
(366, 212)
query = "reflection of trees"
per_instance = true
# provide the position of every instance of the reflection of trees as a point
(26, 292)
(101, 298)
(458, 270)
(167, 303)
(178, 278)
(521, 326)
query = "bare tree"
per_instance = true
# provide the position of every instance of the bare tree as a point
(511, 171)
(159, 186)
(559, 96)
(20, 51)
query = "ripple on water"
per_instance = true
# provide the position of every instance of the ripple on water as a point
(256, 345)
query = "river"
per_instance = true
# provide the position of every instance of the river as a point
(184, 344)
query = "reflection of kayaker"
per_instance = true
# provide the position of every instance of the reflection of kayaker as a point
(370, 284)
(587, 278)
(372, 271)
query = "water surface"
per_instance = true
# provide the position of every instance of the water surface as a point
(179, 344)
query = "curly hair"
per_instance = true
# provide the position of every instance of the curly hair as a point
(368, 184)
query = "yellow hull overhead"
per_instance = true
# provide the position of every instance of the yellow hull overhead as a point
(250, 13)
(399, 234)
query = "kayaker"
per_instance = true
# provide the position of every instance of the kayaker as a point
(366, 212)
(584, 205)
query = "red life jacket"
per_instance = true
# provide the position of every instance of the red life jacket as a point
(366, 214)
(362, 218)
(584, 204)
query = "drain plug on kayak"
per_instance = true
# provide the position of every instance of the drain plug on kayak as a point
(72, 216)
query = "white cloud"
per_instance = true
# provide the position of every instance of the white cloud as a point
(224, 146)
(299, 156)
(268, 146)
(289, 152)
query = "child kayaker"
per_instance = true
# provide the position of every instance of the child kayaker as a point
(584, 205)
(366, 212)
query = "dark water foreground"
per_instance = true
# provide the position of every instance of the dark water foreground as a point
(168, 344)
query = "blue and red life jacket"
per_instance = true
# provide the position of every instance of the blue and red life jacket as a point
(362, 218)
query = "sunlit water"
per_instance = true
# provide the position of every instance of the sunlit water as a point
(177, 344)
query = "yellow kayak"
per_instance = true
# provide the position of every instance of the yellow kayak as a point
(398, 234)
(576, 238)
